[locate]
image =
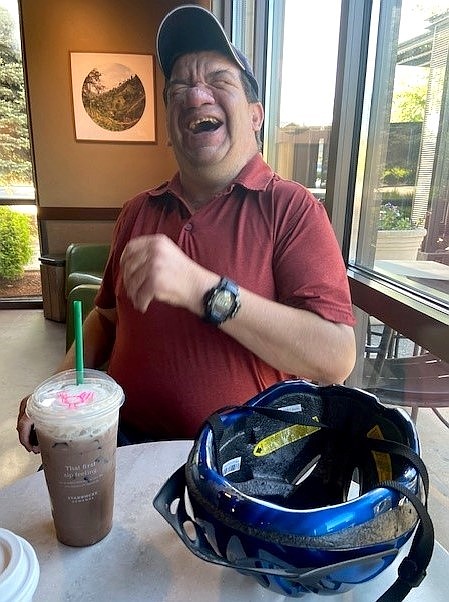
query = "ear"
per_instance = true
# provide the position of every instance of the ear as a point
(257, 116)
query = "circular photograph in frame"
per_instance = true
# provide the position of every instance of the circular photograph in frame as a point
(113, 96)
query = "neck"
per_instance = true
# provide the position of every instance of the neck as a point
(198, 191)
(202, 184)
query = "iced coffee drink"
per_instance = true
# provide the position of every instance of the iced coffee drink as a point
(76, 426)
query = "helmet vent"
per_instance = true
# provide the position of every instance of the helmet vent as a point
(354, 486)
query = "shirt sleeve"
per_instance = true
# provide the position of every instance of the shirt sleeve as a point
(308, 265)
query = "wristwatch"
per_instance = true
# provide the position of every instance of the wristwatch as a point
(222, 302)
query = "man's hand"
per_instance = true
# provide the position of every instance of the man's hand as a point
(25, 429)
(154, 267)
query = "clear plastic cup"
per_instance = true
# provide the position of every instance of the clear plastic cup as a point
(76, 427)
(19, 568)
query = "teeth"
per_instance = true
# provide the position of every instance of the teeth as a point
(194, 124)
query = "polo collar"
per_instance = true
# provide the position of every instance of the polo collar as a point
(256, 175)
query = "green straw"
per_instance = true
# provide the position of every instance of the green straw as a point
(79, 357)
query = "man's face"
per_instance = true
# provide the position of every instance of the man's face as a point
(209, 119)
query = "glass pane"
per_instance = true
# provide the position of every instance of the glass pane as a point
(401, 372)
(19, 252)
(402, 191)
(243, 27)
(404, 375)
(302, 93)
(15, 157)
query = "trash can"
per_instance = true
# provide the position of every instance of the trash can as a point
(53, 287)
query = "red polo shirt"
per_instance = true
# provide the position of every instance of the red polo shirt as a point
(269, 235)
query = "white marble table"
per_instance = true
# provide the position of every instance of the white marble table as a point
(142, 559)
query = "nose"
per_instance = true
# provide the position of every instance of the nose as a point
(199, 94)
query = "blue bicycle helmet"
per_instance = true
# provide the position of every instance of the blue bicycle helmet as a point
(271, 486)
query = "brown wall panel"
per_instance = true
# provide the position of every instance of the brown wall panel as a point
(85, 174)
(90, 174)
(59, 234)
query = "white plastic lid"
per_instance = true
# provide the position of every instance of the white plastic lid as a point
(60, 398)
(19, 568)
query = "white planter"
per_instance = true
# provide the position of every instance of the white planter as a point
(399, 244)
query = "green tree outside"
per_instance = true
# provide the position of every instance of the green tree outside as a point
(15, 155)
(409, 105)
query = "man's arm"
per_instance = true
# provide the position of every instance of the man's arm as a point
(296, 341)
(98, 338)
(293, 340)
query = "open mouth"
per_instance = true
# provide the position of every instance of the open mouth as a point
(205, 124)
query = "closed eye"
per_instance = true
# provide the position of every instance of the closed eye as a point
(222, 79)
(175, 89)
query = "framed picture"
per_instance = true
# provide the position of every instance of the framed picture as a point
(113, 96)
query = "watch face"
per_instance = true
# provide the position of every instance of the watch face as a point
(222, 303)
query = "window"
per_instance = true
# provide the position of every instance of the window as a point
(16, 182)
(401, 210)
(15, 157)
(301, 89)
(384, 169)
(399, 247)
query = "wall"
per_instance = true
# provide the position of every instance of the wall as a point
(81, 185)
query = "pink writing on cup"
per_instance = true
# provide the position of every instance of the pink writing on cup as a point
(73, 401)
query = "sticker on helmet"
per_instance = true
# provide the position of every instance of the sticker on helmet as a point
(284, 437)
(383, 461)
(231, 466)
(297, 407)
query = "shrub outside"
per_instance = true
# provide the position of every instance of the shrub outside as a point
(15, 243)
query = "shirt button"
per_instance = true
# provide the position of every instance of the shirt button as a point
(188, 227)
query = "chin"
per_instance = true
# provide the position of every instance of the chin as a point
(205, 158)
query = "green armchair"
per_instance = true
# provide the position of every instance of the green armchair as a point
(85, 265)
(86, 294)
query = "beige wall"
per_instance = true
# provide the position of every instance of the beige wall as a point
(72, 173)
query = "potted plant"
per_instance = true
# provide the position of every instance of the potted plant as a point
(398, 237)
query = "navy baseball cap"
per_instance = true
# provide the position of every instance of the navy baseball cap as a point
(192, 28)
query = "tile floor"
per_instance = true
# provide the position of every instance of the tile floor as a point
(31, 348)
